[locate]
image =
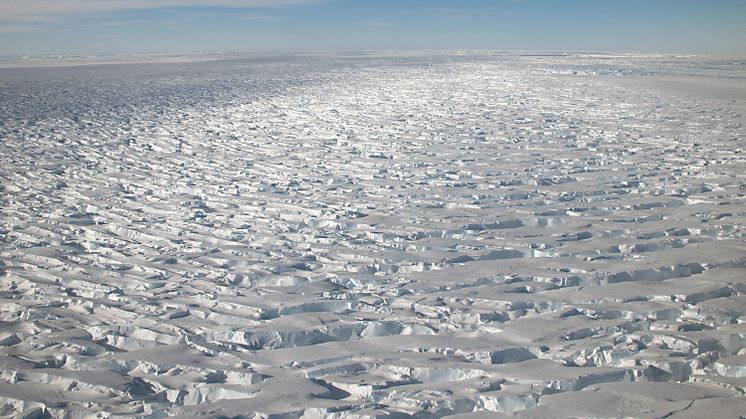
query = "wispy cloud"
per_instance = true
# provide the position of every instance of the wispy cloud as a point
(259, 18)
(380, 24)
(126, 22)
(448, 11)
(35, 10)
(462, 13)
(21, 28)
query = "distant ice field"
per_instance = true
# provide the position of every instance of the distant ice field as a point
(410, 234)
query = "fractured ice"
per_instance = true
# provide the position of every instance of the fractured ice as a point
(368, 235)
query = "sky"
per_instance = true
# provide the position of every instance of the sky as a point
(30, 27)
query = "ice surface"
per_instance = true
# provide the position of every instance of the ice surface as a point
(374, 235)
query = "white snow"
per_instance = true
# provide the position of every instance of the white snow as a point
(374, 235)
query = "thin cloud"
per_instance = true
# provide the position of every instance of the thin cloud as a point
(380, 24)
(34, 10)
(126, 22)
(449, 11)
(259, 18)
(20, 28)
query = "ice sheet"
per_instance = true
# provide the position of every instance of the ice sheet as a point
(374, 235)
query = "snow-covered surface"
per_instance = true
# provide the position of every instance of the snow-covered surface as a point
(374, 235)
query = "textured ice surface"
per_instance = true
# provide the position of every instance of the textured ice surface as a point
(385, 235)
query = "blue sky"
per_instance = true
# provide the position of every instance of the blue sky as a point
(124, 26)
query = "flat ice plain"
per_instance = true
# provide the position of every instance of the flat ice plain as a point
(478, 234)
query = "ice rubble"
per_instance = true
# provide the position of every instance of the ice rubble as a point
(380, 235)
